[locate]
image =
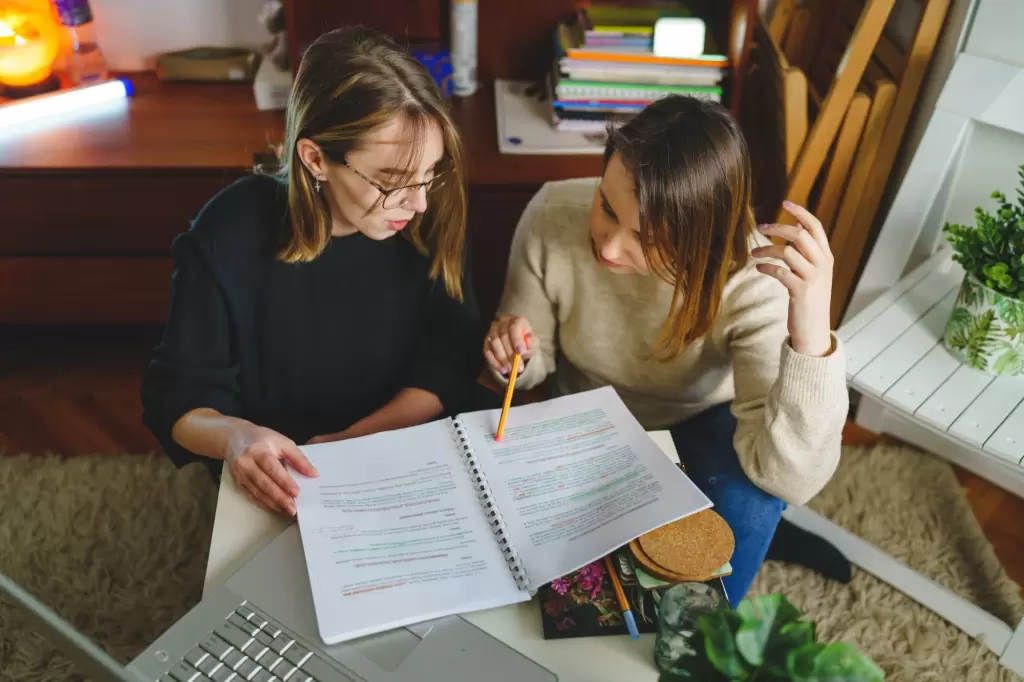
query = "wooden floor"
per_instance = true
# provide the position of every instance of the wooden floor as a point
(75, 392)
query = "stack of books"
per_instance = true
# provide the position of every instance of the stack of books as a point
(583, 603)
(605, 69)
(694, 551)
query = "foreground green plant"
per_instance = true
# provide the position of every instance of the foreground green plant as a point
(766, 639)
(992, 250)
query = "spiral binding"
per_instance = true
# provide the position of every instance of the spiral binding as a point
(494, 518)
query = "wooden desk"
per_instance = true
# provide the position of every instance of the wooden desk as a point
(91, 206)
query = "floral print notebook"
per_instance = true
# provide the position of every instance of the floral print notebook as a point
(583, 604)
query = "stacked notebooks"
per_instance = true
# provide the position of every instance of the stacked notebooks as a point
(694, 550)
(605, 69)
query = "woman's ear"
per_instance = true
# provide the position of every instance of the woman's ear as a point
(311, 156)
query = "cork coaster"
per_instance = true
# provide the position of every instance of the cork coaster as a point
(654, 569)
(697, 545)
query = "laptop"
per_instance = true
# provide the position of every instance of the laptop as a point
(260, 626)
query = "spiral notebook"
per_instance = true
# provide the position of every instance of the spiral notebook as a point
(419, 523)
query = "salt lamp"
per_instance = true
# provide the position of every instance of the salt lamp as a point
(29, 43)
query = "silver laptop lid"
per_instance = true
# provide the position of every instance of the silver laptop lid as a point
(88, 657)
(276, 581)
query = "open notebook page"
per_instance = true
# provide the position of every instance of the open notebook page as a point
(576, 478)
(394, 534)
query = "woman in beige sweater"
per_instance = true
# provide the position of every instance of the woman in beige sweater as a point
(654, 279)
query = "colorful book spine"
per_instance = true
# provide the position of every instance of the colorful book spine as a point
(583, 90)
(647, 31)
(629, 43)
(570, 43)
(601, 107)
(641, 76)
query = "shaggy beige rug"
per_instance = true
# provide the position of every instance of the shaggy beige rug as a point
(910, 505)
(117, 544)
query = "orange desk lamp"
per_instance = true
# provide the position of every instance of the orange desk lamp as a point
(29, 44)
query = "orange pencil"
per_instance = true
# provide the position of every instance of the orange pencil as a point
(508, 397)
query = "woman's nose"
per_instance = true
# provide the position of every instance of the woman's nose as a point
(610, 247)
(417, 201)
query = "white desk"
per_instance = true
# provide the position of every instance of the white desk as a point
(241, 529)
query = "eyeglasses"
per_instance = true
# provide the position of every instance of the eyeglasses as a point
(398, 197)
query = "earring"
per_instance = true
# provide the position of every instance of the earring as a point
(317, 185)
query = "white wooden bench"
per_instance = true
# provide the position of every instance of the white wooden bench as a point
(906, 383)
(911, 387)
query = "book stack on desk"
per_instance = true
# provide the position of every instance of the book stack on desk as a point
(606, 71)
(584, 604)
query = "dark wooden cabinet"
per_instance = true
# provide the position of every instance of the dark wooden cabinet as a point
(407, 21)
(92, 204)
(515, 37)
(84, 289)
(86, 247)
(72, 213)
(91, 207)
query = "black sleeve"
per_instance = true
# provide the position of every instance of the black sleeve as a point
(193, 366)
(449, 355)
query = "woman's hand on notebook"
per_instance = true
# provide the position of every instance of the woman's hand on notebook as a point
(256, 456)
(508, 335)
(328, 438)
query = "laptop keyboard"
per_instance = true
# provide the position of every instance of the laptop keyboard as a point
(249, 647)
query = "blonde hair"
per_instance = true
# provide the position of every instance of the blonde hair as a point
(350, 82)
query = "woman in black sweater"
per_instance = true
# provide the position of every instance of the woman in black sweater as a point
(333, 301)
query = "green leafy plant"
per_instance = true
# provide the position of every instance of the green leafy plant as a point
(992, 250)
(767, 639)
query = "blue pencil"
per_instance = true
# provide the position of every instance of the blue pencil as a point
(627, 613)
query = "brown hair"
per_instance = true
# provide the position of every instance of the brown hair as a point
(691, 174)
(351, 81)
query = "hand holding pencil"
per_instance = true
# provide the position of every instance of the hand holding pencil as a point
(508, 336)
(507, 357)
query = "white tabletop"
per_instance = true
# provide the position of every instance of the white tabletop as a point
(241, 529)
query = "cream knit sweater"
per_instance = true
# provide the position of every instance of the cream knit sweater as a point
(597, 328)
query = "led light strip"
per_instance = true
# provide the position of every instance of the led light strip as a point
(62, 101)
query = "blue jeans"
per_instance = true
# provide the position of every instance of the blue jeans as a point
(705, 446)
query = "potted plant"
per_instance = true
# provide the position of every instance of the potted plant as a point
(765, 639)
(986, 328)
